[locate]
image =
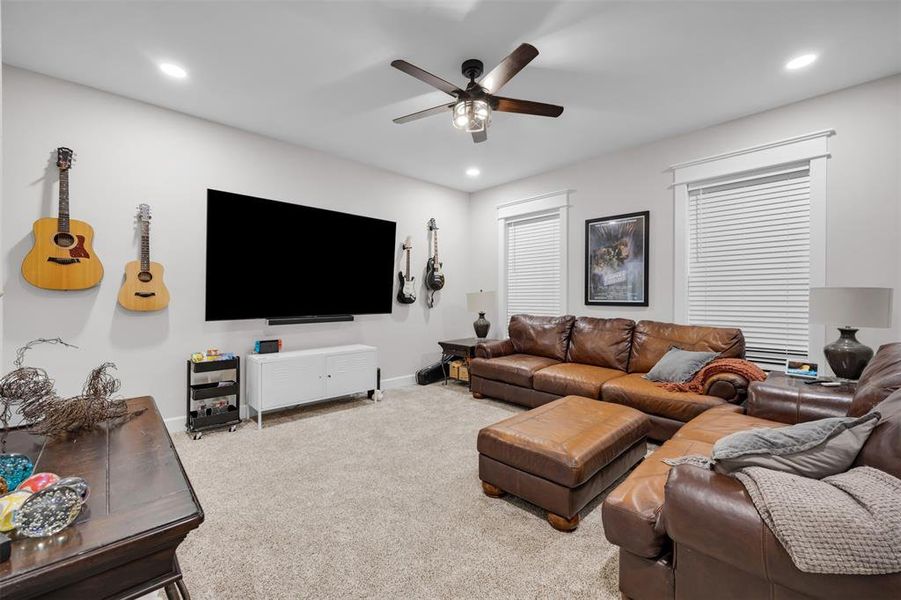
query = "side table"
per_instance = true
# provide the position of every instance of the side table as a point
(464, 348)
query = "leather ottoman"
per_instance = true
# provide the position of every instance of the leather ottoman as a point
(561, 455)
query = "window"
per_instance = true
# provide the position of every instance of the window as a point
(532, 255)
(749, 260)
(750, 242)
(533, 282)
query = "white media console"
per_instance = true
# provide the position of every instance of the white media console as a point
(284, 379)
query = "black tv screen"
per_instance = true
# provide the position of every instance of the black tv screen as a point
(268, 259)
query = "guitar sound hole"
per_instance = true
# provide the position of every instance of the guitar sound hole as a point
(64, 240)
(144, 276)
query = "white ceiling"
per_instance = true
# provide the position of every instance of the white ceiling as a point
(318, 74)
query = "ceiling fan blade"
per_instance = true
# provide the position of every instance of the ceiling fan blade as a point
(527, 107)
(425, 76)
(435, 110)
(480, 136)
(510, 66)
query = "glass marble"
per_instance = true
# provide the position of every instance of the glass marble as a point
(47, 512)
(15, 468)
(9, 504)
(38, 481)
(78, 484)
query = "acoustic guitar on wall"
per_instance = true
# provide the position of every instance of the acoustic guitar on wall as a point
(62, 257)
(143, 289)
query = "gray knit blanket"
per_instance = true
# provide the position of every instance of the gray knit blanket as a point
(852, 527)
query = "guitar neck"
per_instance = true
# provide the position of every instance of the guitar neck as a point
(408, 265)
(145, 245)
(436, 245)
(64, 200)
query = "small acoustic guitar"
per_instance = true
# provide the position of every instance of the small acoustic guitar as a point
(62, 257)
(143, 289)
(406, 293)
(434, 278)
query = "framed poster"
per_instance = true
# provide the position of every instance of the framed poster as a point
(616, 260)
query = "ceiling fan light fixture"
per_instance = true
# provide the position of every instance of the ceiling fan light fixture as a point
(472, 115)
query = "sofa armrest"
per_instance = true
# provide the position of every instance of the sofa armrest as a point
(731, 387)
(713, 515)
(494, 348)
(791, 401)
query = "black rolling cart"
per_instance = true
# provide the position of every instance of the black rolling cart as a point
(200, 419)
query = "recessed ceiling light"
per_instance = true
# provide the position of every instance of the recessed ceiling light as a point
(799, 62)
(473, 172)
(173, 70)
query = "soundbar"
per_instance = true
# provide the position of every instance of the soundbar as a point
(309, 319)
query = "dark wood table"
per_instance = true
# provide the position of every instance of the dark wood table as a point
(140, 509)
(464, 348)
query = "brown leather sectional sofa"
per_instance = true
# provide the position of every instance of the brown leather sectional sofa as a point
(546, 358)
(688, 533)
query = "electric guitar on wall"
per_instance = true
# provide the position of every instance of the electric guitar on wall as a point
(434, 278)
(143, 288)
(406, 293)
(62, 257)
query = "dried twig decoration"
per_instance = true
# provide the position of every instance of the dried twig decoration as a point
(33, 390)
(52, 415)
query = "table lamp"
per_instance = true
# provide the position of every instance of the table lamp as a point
(481, 302)
(858, 306)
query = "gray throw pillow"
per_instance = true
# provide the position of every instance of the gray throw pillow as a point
(813, 449)
(678, 366)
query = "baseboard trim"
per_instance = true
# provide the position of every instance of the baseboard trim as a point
(391, 383)
(175, 424)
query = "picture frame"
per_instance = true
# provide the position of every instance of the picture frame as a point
(617, 258)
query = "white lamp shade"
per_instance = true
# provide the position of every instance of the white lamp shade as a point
(479, 302)
(852, 306)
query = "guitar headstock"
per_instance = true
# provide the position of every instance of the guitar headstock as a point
(64, 158)
(144, 212)
(408, 243)
(433, 226)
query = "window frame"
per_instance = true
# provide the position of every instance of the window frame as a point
(537, 206)
(812, 148)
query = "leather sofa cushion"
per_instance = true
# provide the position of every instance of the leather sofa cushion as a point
(652, 340)
(541, 336)
(716, 423)
(601, 342)
(516, 369)
(575, 379)
(566, 441)
(879, 379)
(631, 512)
(636, 391)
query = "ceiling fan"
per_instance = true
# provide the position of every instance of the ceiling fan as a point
(472, 107)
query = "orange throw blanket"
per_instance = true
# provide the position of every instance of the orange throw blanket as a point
(737, 366)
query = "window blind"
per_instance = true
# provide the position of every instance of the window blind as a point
(533, 278)
(749, 260)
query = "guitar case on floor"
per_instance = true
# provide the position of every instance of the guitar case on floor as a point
(432, 373)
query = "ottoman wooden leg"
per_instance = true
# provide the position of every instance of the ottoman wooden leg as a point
(492, 490)
(477, 395)
(562, 523)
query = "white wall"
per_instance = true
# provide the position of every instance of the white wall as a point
(864, 195)
(129, 152)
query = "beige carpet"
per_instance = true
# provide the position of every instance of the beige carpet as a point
(355, 499)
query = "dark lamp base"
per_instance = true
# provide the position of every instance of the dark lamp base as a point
(846, 355)
(481, 326)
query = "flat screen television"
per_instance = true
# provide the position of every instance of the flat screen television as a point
(271, 260)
